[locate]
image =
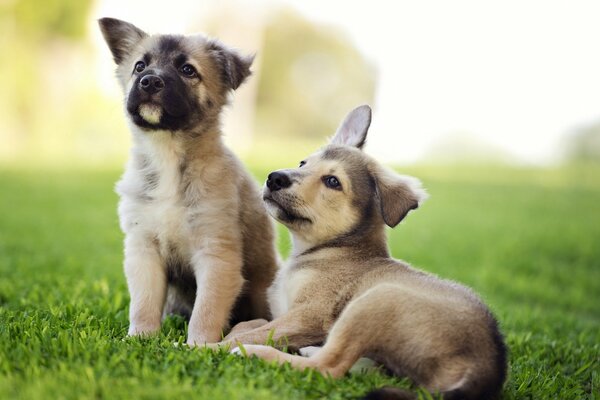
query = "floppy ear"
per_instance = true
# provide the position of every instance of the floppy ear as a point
(121, 37)
(353, 129)
(398, 194)
(235, 68)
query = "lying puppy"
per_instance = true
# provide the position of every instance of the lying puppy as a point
(197, 236)
(341, 287)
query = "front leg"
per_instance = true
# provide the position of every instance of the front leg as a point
(147, 282)
(245, 326)
(295, 329)
(219, 281)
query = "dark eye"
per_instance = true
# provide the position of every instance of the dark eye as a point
(188, 71)
(140, 66)
(301, 164)
(332, 182)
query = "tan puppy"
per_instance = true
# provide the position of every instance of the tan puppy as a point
(197, 236)
(341, 287)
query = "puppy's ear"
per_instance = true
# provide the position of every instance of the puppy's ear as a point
(235, 68)
(353, 129)
(121, 37)
(398, 194)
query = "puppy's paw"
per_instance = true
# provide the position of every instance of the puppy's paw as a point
(237, 351)
(197, 341)
(309, 351)
(142, 330)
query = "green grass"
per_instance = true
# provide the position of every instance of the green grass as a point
(527, 240)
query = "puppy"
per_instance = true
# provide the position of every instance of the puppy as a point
(197, 236)
(341, 287)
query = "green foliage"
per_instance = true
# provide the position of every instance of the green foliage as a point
(306, 68)
(527, 241)
(50, 18)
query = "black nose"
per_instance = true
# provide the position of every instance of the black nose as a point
(152, 84)
(278, 180)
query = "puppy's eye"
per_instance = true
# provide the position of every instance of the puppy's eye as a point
(302, 163)
(332, 182)
(188, 70)
(140, 66)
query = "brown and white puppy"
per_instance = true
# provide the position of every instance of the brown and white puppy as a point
(340, 286)
(197, 236)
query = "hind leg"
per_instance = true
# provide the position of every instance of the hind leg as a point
(347, 341)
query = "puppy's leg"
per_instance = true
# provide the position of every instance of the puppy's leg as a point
(295, 329)
(272, 354)
(351, 336)
(309, 351)
(219, 281)
(245, 326)
(147, 282)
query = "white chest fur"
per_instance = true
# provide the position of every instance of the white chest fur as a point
(150, 190)
(284, 291)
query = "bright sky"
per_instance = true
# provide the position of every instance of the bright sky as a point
(518, 75)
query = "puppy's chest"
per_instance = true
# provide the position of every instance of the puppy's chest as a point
(153, 201)
(293, 287)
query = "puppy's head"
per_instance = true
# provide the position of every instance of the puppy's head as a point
(340, 192)
(172, 82)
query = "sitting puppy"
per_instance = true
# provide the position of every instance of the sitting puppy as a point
(341, 287)
(197, 236)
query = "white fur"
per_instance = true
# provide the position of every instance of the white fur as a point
(162, 217)
(142, 221)
(284, 289)
(236, 351)
(309, 351)
(196, 231)
(353, 129)
(151, 113)
(416, 187)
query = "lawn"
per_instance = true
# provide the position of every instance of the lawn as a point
(527, 240)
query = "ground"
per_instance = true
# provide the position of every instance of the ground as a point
(527, 240)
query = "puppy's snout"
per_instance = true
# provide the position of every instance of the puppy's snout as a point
(152, 84)
(278, 180)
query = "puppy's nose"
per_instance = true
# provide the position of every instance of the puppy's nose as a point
(152, 84)
(278, 180)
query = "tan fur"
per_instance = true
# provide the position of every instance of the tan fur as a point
(341, 288)
(197, 238)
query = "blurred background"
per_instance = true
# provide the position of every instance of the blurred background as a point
(464, 82)
(495, 106)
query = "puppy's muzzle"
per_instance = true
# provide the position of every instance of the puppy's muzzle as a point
(151, 84)
(277, 181)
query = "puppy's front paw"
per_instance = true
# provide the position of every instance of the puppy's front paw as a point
(237, 351)
(197, 341)
(309, 351)
(142, 330)
(265, 352)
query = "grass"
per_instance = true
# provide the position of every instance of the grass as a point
(527, 240)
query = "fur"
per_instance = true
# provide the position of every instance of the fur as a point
(198, 240)
(341, 289)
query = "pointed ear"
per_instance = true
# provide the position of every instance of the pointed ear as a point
(121, 37)
(398, 194)
(353, 129)
(235, 68)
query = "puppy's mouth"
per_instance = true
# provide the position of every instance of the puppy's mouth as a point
(150, 113)
(158, 111)
(284, 215)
